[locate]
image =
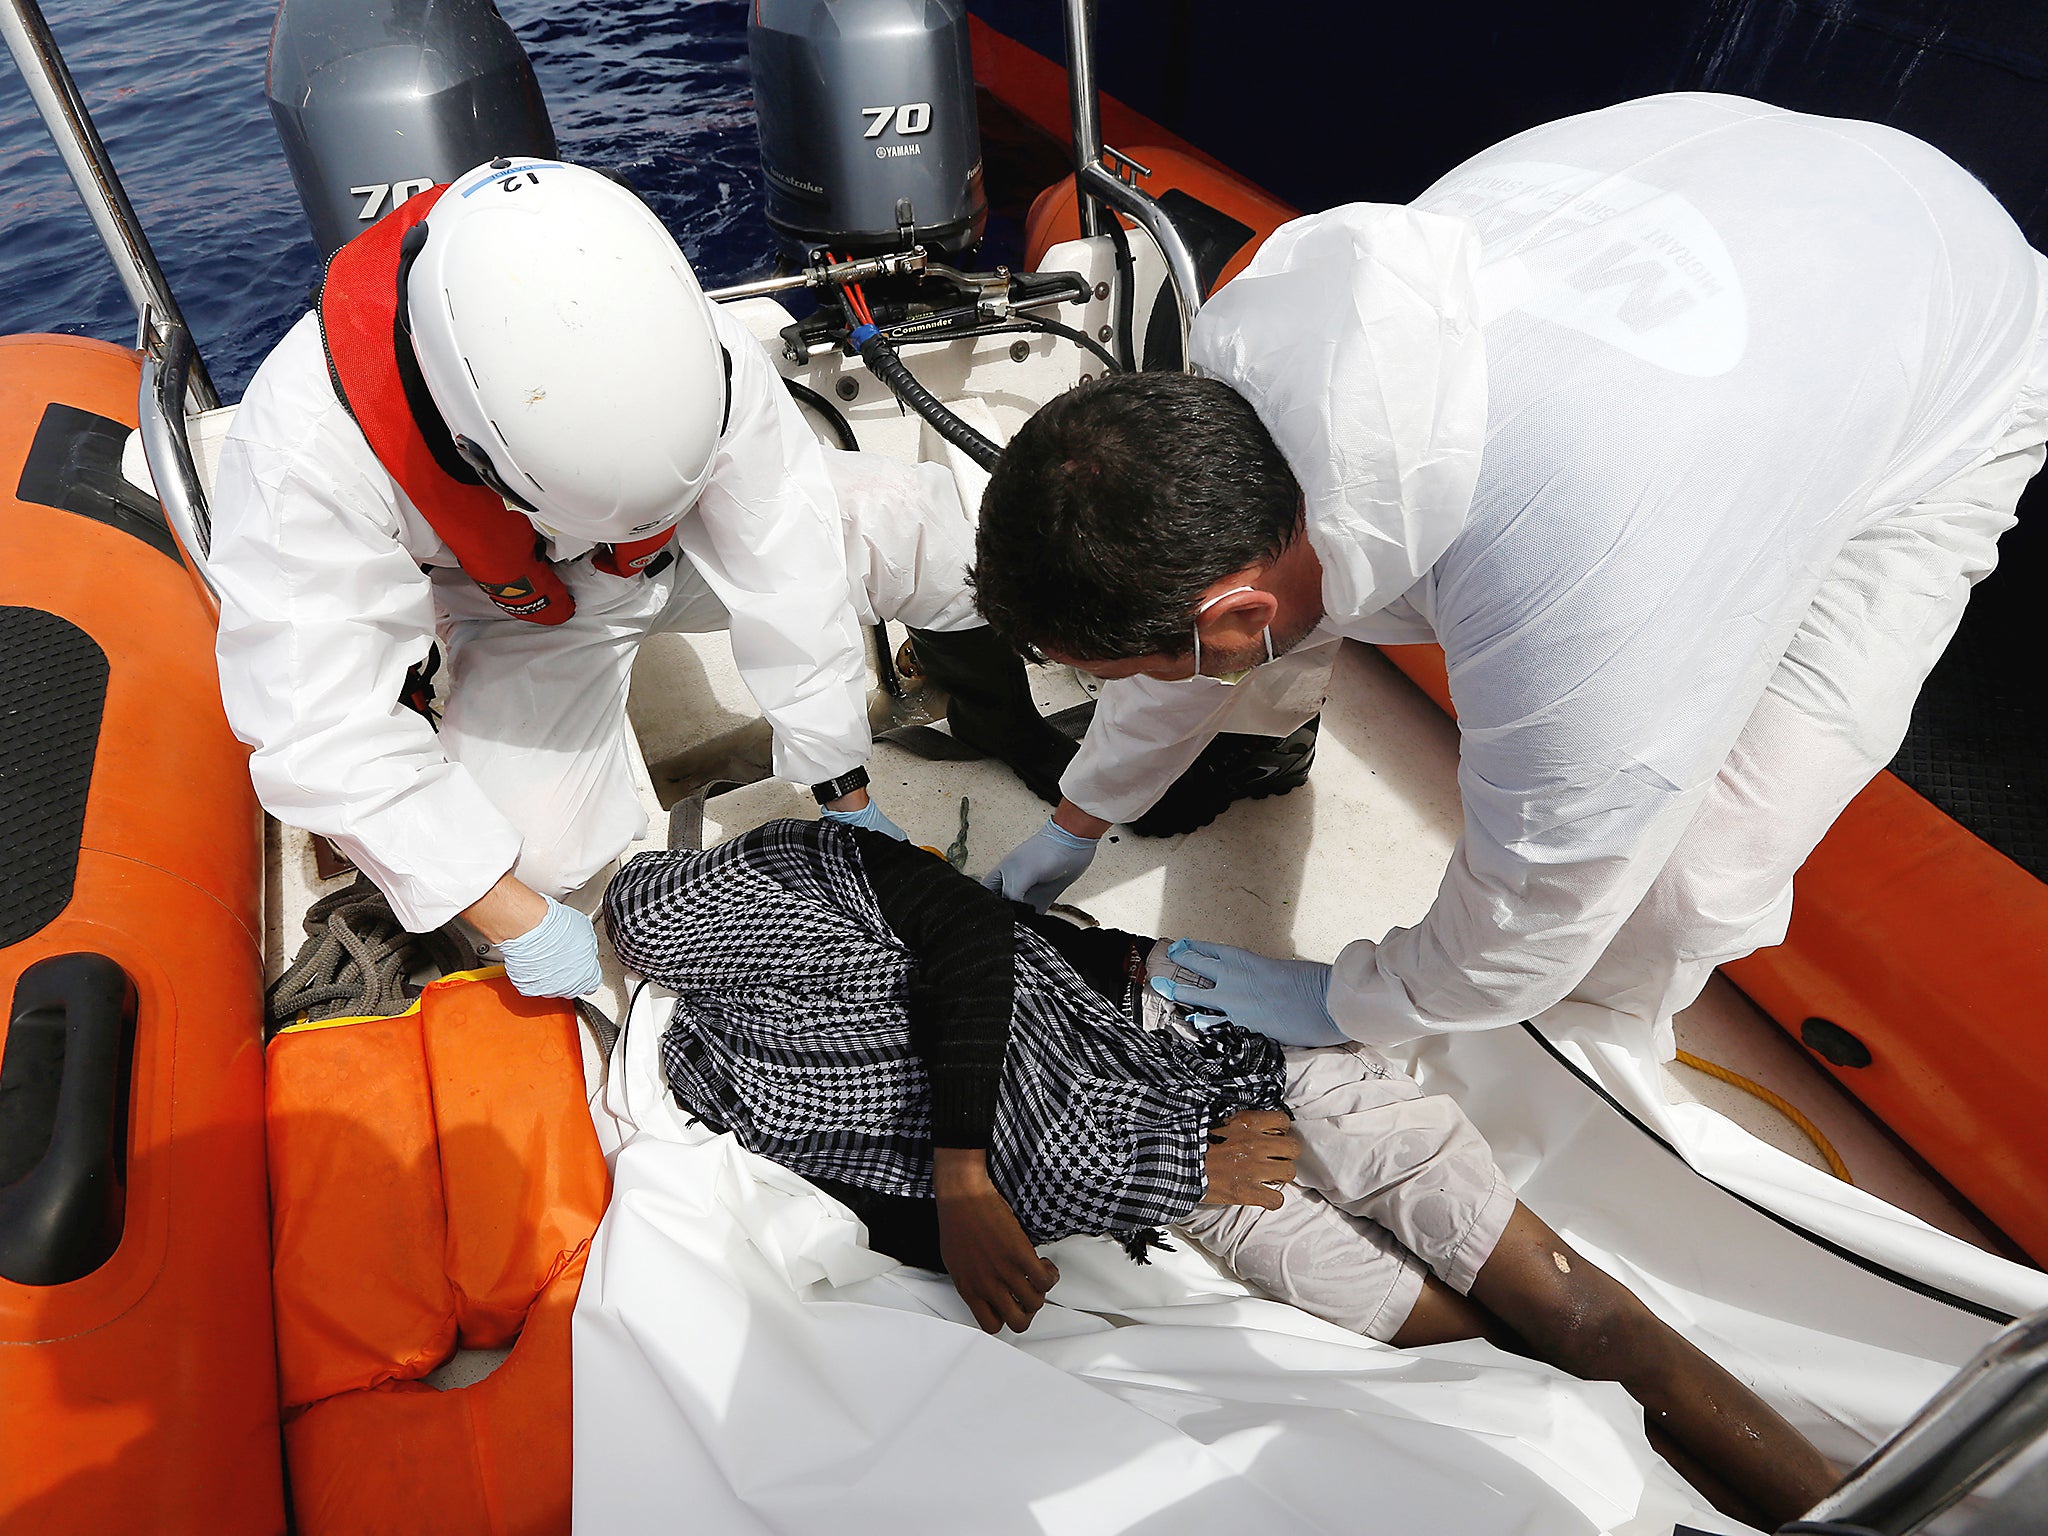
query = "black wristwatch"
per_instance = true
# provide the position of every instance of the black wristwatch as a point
(845, 784)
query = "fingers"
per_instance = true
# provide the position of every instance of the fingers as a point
(1011, 1297)
(1240, 1187)
(1028, 1285)
(1263, 1122)
(1043, 1275)
(1259, 1169)
(1183, 952)
(1259, 1133)
(984, 1311)
(1251, 1159)
(993, 1304)
(1016, 1315)
(1282, 1147)
(1013, 1302)
(1167, 988)
(1203, 959)
(993, 880)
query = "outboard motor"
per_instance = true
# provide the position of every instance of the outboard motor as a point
(868, 134)
(377, 100)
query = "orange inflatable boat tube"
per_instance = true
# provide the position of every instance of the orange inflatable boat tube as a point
(138, 1386)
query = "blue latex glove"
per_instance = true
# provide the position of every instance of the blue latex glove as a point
(869, 816)
(557, 957)
(1285, 1000)
(1038, 869)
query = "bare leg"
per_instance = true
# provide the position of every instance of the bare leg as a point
(1380, 1161)
(1441, 1316)
(1578, 1318)
(1704, 1483)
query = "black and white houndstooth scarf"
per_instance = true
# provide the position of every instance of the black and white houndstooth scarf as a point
(791, 1030)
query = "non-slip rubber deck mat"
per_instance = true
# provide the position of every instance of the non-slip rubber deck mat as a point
(74, 465)
(53, 690)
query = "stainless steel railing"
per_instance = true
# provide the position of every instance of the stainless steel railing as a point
(168, 358)
(1994, 1411)
(1097, 184)
(174, 379)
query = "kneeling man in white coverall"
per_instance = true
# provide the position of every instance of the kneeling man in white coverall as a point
(1685, 427)
(515, 419)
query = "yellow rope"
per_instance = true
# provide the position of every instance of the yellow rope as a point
(1811, 1131)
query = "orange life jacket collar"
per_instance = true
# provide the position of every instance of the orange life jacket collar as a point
(370, 360)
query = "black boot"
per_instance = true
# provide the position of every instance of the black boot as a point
(1231, 768)
(989, 704)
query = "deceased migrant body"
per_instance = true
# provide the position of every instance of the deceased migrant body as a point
(846, 1004)
(846, 1001)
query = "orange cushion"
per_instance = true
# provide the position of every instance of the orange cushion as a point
(432, 1174)
(486, 1460)
(521, 1174)
(357, 1223)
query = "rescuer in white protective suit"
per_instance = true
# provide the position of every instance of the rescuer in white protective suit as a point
(515, 420)
(1685, 427)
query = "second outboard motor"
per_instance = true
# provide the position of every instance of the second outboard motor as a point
(379, 99)
(868, 132)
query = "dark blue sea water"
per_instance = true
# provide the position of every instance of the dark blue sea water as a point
(657, 88)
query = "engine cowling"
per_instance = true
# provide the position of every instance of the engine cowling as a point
(864, 107)
(377, 100)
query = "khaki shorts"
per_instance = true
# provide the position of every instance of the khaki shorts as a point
(1391, 1180)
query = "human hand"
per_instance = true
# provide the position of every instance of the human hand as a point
(557, 957)
(1285, 1000)
(1038, 869)
(1250, 1156)
(994, 1267)
(869, 816)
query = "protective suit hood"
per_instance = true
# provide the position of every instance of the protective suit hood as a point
(1355, 336)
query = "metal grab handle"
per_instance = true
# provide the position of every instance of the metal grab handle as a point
(167, 359)
(1180, 261)
(1990, 1411)
(1096, 183)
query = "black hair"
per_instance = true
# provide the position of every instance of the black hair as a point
(1117, 505)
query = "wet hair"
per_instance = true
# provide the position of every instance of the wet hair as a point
(1116, 505)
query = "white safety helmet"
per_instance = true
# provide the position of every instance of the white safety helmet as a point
(569, 348)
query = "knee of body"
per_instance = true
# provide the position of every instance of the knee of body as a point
(1596, 1330)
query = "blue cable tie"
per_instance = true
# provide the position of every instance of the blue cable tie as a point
(861, 333)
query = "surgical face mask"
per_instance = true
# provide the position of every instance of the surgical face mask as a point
(1228, 679)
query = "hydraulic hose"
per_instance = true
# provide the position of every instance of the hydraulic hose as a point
(803, 394)
(1054, 328)
(884, 364)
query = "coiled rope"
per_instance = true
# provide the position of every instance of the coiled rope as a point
(358, 960)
